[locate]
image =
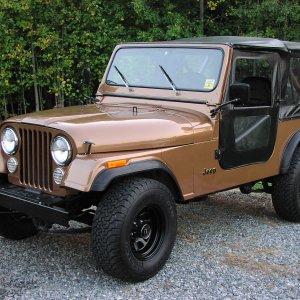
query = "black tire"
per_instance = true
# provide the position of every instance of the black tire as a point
(286, 191)
(134, 229)
(15, 226)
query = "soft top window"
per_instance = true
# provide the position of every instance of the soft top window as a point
(256, 70)
(166, 68)
(253, 67)
(293, 85)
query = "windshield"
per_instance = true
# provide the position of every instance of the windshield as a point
(195, 69)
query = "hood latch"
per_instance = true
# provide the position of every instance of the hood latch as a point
(89, 146)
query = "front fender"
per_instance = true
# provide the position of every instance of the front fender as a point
(90, 173)
(105, 177)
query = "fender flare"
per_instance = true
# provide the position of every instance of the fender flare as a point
(288, 152)
(105, 177)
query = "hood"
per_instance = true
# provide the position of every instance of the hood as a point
(122, 127)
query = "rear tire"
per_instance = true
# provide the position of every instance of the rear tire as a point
(134, 229)
(286, 191)
(15, 226)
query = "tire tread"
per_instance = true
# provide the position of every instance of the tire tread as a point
(285, 191)
(108, 222)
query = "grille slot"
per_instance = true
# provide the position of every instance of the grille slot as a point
(35, 157)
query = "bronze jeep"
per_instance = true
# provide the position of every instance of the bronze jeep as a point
(173, 121)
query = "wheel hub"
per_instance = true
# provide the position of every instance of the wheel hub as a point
(146, 231)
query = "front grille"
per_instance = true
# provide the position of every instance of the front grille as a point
(35, 159)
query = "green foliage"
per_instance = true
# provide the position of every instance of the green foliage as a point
(46, 43)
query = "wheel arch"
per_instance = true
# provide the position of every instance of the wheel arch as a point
(289, 150)
(149, 169)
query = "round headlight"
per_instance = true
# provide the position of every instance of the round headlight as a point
(61, 150)
(9, 141)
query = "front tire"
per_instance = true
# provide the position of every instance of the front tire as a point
(15, 226)
(286, 191)
(134, 229)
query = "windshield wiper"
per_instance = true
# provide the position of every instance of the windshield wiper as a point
(168, 78)
(111, 81)
(122, 77)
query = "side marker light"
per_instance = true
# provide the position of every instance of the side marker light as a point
(116, 164)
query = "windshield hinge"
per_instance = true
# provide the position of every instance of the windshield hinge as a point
(218, 154)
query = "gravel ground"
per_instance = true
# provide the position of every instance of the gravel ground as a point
(231, 246)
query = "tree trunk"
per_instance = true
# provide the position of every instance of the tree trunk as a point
(23, 93)
(61, 97)
(36, 92)
(11, 105)
(201, 14)
(5, 108)
(40, 89)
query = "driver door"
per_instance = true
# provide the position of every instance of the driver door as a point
(247, 133)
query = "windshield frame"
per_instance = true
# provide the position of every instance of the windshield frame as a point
(167, 47)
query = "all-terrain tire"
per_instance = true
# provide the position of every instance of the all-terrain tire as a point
(134, 229)
(15, 226)
(286, 191)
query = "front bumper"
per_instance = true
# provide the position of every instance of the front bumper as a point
(34, 204)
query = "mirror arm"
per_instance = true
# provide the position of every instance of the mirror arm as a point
(214, 111)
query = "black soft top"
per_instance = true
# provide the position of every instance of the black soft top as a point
(246, 42)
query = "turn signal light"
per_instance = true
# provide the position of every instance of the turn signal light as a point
(116, 163)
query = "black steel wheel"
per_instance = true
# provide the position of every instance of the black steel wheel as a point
(134, 229)
(147, 233)
(15, 226)
(286, 191)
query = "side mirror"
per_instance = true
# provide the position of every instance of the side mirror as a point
(86, 76)
(240, 91)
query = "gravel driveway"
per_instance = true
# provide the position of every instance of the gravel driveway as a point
(231, 246)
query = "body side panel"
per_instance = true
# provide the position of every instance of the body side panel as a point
(187, 164)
